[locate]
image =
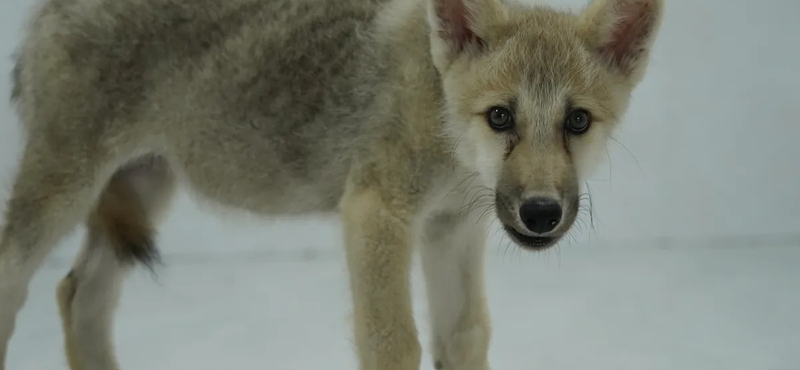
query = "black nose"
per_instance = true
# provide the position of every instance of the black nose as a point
(540, 215)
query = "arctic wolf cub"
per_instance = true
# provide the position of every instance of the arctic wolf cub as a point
(414, 119)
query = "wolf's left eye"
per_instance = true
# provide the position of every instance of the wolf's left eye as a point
(500, 118)
(578, 121)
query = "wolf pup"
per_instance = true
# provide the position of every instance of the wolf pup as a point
(413, 119)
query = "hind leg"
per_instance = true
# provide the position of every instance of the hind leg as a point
(54, 188)
(120, 233)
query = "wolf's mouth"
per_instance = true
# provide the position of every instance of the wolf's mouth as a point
(530, 242)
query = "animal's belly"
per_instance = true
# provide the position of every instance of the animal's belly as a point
(251, 176)
(259, 194)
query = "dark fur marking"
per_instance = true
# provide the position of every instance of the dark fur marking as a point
(135, 248)
(568, 107)
(511, 143)
(16, 76)
(124, 220)
(513, 136)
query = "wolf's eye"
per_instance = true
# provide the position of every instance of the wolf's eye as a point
(578, 121)
(500, 118)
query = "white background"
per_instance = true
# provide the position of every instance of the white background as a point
(693, 263)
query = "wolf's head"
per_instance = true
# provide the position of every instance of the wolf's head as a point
(533, 94)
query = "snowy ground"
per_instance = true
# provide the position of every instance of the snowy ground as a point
(648, 307)
(694, 264)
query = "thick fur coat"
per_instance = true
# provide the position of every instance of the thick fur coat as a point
(416, 120)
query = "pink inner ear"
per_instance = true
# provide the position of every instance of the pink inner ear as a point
(630, 32)
(455, 24)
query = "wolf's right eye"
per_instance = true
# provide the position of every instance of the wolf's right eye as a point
(500, 118)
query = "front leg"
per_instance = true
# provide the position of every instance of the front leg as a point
(378, 243)
(453, 262)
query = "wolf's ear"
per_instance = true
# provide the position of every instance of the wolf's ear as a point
(622, 32)
(460, 27)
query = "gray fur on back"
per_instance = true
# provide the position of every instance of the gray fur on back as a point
(277, 88)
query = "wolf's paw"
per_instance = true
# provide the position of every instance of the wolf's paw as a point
(466, 350)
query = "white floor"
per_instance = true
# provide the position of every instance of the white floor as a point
(637, 307)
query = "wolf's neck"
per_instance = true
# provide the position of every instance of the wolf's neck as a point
(402, 42)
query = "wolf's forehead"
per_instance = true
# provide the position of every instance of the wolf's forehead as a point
(545, 91)
(553, 60)
(538, 70)
(542, 100)
(545, 60)
(545, 94)
(556, 69)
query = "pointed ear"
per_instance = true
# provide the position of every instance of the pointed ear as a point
(460, 27)
(622, 32)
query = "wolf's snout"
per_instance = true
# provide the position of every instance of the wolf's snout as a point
(540, 215)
